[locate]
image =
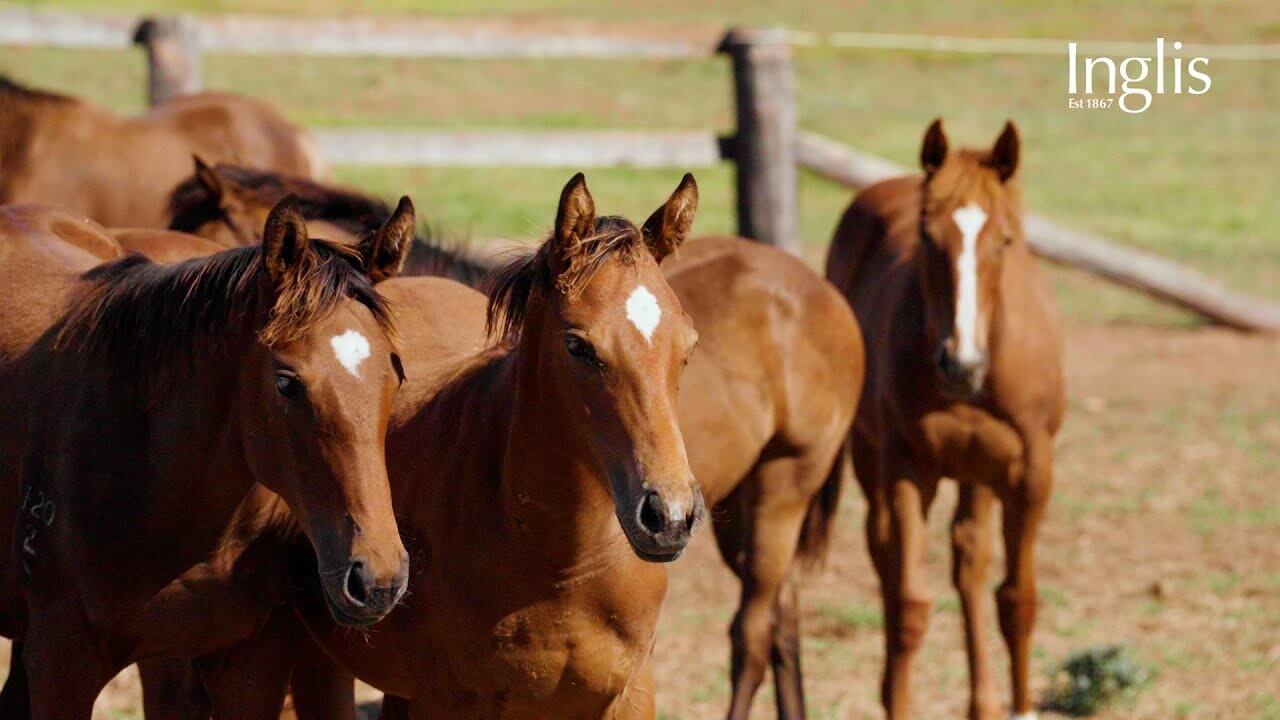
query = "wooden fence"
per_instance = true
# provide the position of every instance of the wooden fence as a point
(767, 147)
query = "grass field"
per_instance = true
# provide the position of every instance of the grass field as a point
(1193, 177)
(1164, 527)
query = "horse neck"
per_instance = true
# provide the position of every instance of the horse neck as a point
(505, 468)
(190, 418)
(551, 487)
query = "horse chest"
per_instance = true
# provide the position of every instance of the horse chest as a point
(557, 654)
(964, 437)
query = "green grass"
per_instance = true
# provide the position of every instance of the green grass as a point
(1193, 178)
(853, 616)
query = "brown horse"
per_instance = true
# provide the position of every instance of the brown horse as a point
(762, 436)
(539, 482)
(61, 151)
(143, 401)
(227, 203)
(964, 381)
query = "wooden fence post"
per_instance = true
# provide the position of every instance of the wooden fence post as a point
(764, 147)
(173, 56)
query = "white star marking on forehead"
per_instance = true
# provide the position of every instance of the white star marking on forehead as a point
(643, 312)
(351, 348)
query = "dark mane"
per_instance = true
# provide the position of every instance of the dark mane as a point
(191, 207)
(138, 313)
(14, 89)
(514, 284)
(430, 256)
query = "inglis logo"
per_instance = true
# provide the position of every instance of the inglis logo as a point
(1133, 72)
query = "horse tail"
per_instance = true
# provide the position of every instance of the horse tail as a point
(815, 533)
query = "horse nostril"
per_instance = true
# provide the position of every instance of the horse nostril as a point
(357, 587)
(651, 513)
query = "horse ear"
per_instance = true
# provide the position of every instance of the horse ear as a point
(284, 239)
(669, 225)
(575, 218)
(385, 250)
(208, 179)
(934, 149)
(1004, 154)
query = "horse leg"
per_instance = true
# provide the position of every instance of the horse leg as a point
(15, 702)
(775, 509)
(171, 690)
(322, 688)
(250, 681)
(971, 536)
(65, 665)
(1016, 598)
(787, 677)
(905, 500)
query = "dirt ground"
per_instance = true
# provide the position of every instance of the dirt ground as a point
(1164, 533)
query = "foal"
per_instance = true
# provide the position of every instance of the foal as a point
(964, 380)
(144, 401)
(541, 482)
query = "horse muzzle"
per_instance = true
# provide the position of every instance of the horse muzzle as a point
(658, 527)
(962, 378)
(356, 597)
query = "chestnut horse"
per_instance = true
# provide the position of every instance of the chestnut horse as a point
(964, 380)
(60, 151)
(225, 204)
(121, 473)
(763, 437)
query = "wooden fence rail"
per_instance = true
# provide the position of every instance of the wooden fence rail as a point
(401, 37)
(548, 148)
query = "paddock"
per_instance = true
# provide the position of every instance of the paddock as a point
(1161, 533)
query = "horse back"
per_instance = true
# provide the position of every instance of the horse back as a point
(779, 352)
(224, 127)
(42, 254)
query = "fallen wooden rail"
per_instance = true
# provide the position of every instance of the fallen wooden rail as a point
(1158, 277)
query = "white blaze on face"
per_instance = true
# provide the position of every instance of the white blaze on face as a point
(643, 312)
(970, 219)
(351, 348)
(1023, 716)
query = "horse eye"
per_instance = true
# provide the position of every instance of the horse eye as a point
(581, 349)
(288, 384)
